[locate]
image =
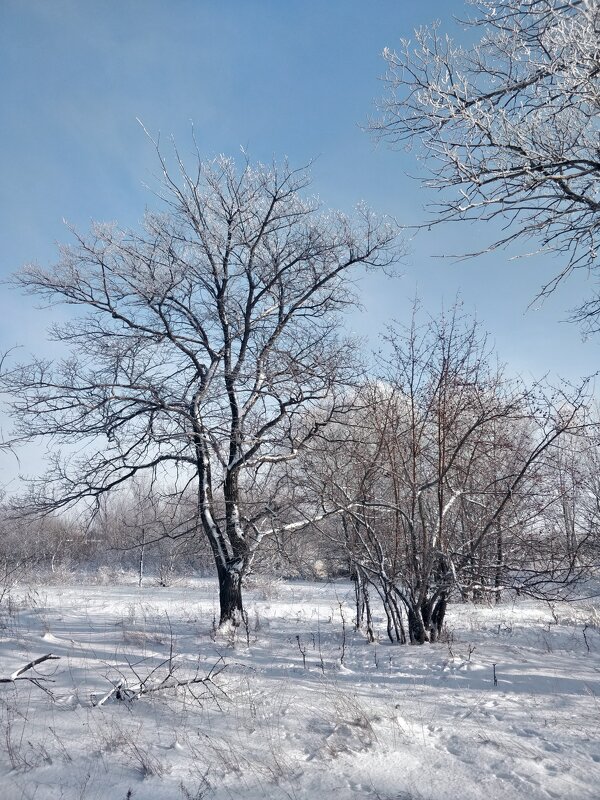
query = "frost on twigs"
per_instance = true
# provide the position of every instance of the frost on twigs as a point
(507, 127)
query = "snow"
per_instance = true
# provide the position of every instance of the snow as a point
(401, 722)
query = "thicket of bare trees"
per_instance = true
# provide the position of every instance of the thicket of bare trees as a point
(134, 531)
(447, 479)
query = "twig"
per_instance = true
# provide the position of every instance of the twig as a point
(585, 639)
(302, 651)
(343, 648)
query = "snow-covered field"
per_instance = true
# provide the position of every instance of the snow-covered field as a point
(297, 708)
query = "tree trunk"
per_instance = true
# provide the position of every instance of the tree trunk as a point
(359, 598)
(416, 627)
(370, 633)
(499, 565)
(438, 614)
(230, 595)
(141, 559)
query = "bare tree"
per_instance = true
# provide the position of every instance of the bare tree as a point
(201, 345)
(508, 126)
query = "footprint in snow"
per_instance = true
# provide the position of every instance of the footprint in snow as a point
(526, 732)
(551, 747)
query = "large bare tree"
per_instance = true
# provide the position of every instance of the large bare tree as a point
(207, 346)
(507, 124)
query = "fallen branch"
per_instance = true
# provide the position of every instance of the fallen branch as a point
(18, 675)
(121, 691)
(116, 688)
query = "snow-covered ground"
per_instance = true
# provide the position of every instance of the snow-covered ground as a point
(300, 710)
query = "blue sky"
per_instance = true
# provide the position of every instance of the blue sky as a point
(294, 78)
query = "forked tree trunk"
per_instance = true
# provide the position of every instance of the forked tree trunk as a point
(426, 620)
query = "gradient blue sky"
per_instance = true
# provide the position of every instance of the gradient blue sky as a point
(292, 78)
